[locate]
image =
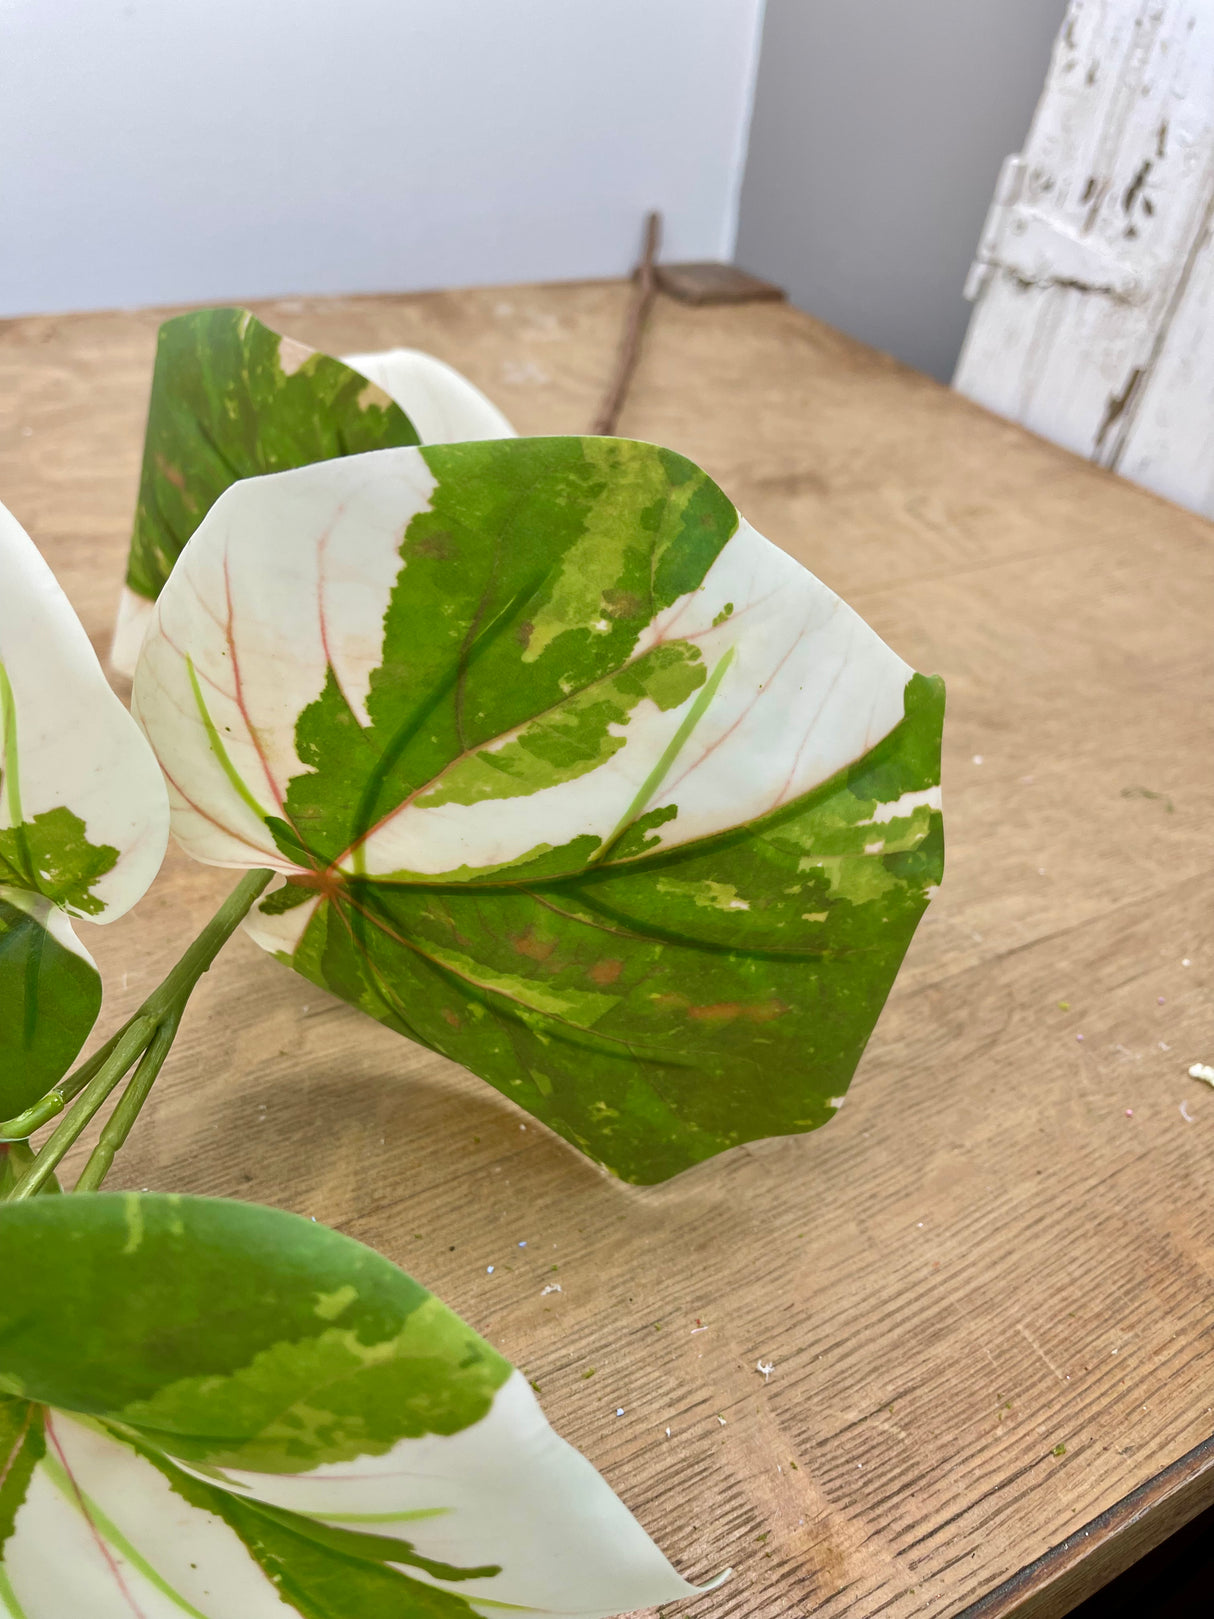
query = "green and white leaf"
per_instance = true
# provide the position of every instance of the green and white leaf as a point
(224, 1411)
(571, 775)
(83, 821)
(232, 399)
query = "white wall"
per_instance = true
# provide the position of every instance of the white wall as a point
(155, 151)
(879, 130)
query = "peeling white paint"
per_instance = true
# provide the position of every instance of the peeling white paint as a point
(1094, 279)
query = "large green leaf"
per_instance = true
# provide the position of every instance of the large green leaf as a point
(571, 774)
(83, 821)
(220, 1410)
(232, 399)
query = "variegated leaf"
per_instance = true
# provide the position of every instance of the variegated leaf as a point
(571, 774)
(223, 1411)
(83, 821)
(231, 399)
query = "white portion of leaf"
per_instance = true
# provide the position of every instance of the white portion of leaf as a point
(130, 627)
(811, 689)
(280, 935)
(506, 1491)
(444, 407)
(77, 745)
(279, 583)
(905, 804)
(64, 1562)
(50, 917)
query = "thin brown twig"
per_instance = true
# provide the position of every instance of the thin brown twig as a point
(644, 292)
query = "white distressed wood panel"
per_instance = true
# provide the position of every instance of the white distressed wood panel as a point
(1094, 280)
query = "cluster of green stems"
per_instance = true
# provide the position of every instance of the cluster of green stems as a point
(141, 1044)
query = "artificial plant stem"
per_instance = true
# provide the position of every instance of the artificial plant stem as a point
(172, 994)
(129, 1048)
(118, 1126)
(53, 1103)
(159, 1014)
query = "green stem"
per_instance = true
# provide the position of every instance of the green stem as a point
(148, 1035)
(118, 1126)
(128, 1050)
(53, 1103)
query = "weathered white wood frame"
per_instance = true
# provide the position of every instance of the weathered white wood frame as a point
(1094, 281)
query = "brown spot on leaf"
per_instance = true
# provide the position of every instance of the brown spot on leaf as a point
(167, 470)
(451, 1017)
(534, 949)
(622, 604)
(736, 1012)
(606, 972)
(440, 545)
(524, 633)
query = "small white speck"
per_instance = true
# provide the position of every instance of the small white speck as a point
(552, 1287)
(1185, 1114)
(1186, 962)
(1202, 1070)
(977, 758)
(767, 1367)
(720, 1419)
(920, 1226)
(1041, 871)
(522, 1126)
(619, 1410)
(668, 1433)
(488, 1270)
(522, 1244)
(1164, 1046)
(836, 1102)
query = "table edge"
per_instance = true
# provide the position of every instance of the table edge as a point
(1108, 1544)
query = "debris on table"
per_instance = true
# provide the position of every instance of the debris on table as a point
(1203, 1071)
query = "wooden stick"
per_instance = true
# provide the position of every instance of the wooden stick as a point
(630, 349)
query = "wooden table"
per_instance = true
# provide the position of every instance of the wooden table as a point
(986, 1287)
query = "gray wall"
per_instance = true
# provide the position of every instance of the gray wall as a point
(879, 127)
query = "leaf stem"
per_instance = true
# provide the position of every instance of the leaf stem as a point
(129, 1049)
(147, 1036)
(53, 1103)
(118, 1126)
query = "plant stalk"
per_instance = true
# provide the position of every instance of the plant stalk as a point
(145, 1039)
(118, 1126)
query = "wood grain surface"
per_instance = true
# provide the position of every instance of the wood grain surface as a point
(985, 1288)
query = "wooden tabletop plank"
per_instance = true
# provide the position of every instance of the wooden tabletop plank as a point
(986, 1287)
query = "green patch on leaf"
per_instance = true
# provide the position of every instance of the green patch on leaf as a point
(271, 1383)
(51, 855)
(231, 399)
(49, 1000)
